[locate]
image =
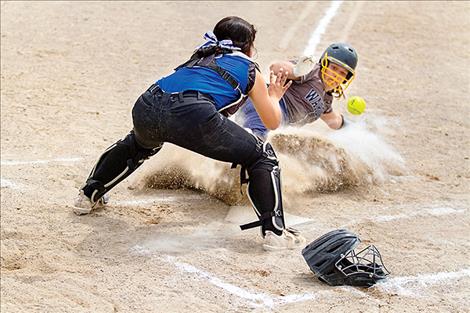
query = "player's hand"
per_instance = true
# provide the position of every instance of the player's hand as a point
(277, 84)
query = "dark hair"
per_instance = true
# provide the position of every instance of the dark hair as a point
(238, 30)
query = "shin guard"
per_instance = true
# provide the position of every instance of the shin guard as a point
(264, 192)
(115, 164)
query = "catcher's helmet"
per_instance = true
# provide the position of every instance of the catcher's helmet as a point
(333, 259)
(343, 55)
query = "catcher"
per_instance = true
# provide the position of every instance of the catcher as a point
(311, 95)
(189, 108)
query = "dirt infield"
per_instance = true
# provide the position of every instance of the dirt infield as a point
(70, 73)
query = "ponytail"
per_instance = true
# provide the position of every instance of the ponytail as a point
(205, 51)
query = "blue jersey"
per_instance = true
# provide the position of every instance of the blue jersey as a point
(209, 82)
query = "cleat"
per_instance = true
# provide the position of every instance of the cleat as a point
(289, 239)
(83, 204)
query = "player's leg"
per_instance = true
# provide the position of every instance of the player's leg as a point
(118, 161)
(123, 157)
(209, 133)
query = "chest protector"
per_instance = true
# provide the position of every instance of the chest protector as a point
(197, 60)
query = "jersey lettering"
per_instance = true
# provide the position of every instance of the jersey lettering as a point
(315, 101)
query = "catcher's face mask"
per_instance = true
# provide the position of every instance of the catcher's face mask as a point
(336, 75)
(334, 260)
(363, 267)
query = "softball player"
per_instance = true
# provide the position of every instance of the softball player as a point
(189, 108)
(311, 95)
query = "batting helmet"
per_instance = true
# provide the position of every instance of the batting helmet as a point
(343, 55)
(333, 260)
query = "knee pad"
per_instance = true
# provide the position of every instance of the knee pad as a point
(264, 191)
(115, 164)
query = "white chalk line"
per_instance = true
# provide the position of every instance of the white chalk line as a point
(6, 183)
(412, 286)
(153, 200)
(389, 218)
(409, 286)
(432, 212)
(259, 299)
(142, 202)
(254, 298)
(321, 28)
(406, 286)
(31, 162)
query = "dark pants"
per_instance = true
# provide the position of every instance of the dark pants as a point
(190, 120)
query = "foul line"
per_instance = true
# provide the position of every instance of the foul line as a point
(432, 212)
(257, 299)
(58, 160)
(388, 218)
(6, 183)
(410, 286)
(142, 202)
(320, 30)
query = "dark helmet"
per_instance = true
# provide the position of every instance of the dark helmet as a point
(343, 55)
(333, 260)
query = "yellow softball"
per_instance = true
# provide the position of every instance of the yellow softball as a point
(356, 105)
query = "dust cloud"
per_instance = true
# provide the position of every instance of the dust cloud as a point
(312, 159)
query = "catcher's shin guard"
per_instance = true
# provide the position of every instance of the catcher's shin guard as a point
(115, 164)
(264, 192)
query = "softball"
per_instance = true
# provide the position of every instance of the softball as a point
(356, 105)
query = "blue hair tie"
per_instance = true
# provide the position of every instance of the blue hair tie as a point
(211, 40)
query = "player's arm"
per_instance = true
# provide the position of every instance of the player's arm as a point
(266, 99)
(333, 119)
(286, 66)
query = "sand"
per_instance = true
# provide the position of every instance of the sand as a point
(399, 177)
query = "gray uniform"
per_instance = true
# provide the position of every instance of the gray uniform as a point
(306, 100)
